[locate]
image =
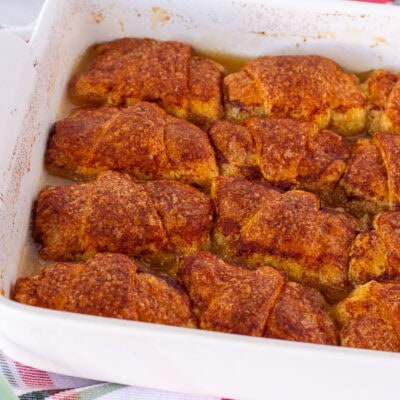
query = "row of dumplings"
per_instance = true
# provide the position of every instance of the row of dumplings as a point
(218, 296)
(309, 88)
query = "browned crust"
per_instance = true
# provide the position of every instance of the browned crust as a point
(242, 97)
(365, 179)
(308, 88)
(106, 285)
(368, 258)
(371, 182)
(234, 199)
(258, 226)
(186, 214)
(368, 318)
(392, 114)
(324, 162)
(382, 93)
(286, 153)
(257, 302)
(378, 87)
(376, 254)
(280, 146)
(116, 214)
(387, 225)
(163, 302)
(389, 148)
(57, 207)
(129, 70)
(205, 91)
(229, 298)
(235, 150)
(120, 217)
(301, 314)
(141, 140)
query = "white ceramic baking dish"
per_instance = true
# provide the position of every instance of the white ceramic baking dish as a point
(33, 79)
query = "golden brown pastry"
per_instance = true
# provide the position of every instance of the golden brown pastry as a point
(108, 285)
(369, 317)
(141, 140)
(257, 225)
(116, 214)
(371, 182)
(129, 70)
(301, 314)
(382, 93)
(285, 152)
(257, 302)
(308, 88)
(375, 255)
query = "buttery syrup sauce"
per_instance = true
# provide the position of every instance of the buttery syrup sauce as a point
(31, 263)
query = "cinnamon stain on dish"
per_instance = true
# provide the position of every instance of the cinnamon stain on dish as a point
(378, 40)
(2, 291)
(122, 26)
(278, 35)
(159, 16)
(98, 17)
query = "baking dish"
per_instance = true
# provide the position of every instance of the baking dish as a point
(33, 81)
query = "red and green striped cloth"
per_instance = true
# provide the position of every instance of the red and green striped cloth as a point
(20, 382)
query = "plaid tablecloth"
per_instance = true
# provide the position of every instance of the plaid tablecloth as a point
(19, 381)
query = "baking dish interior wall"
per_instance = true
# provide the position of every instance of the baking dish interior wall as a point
(357, 40)
(352, 35)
